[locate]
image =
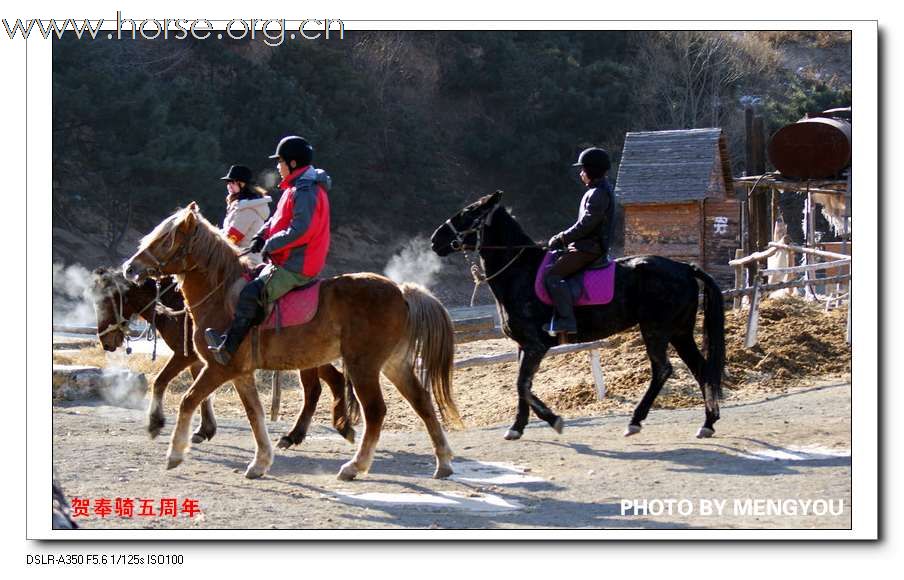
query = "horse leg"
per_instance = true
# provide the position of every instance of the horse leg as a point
(369, 393)
(402, 376)
(336, 382)
(311, 383)
(528, 364)
(687, 349)
(208, 427)
(175, 365)
(206, 382)
(263, 454)
(657, 351)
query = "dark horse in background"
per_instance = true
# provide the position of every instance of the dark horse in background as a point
(117, 300)
(656, 293)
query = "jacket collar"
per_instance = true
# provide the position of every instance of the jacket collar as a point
(243, 203)
(290, 179)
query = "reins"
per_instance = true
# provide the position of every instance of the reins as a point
(122, 323)
(478, 272)
(187, 310)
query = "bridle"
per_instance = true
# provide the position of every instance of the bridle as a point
(122, 323)
(477, 227)
(181, 253)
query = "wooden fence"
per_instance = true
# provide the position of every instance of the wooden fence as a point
(753, 287)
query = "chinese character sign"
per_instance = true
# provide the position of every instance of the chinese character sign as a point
(720, 225)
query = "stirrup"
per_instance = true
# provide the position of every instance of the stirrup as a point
(216, 345)
(553, 330)
(215, 340)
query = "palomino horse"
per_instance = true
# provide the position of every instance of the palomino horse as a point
(116, 301)
(368, 320)
(659, 294)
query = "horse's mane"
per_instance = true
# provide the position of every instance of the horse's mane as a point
(512, 227)
(210, 248)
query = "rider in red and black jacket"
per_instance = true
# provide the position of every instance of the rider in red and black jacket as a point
(295, 241)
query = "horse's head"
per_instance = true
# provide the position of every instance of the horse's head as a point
(461, 230)
(112, 309)
(166, 250)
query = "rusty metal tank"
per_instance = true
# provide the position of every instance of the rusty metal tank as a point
(812, 148)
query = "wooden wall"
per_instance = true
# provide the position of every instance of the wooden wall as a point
(671, 230)
(704, 232)
(722, 236)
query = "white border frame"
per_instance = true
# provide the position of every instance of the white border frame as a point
(865, 376)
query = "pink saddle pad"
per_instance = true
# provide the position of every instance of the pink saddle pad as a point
(597, 286)
(296, 307)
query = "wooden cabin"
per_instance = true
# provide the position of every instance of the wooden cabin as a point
(676, 189)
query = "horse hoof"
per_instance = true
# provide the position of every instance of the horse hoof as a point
(347, 473)
(284, 443)
(198, 438)
(254, 472)
(632, 430)
(705, 433)
(442, 472)
(349, 435)
(512, 435)
(173, 462)
(559, 425)
(155, 426)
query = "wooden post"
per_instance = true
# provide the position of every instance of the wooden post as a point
(759, 146)
(738, 280)
(597, 369)
(745, 238)
(847, 335)
(850, 284)
(810, 217)
(275, 397)
(748, 134)
(753, 317)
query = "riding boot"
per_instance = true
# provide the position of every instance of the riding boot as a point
(248, 312)
(563, 320)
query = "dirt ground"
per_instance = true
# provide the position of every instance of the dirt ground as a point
(793, 447)
(779, 436)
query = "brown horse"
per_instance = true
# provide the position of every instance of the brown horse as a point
(368, 320)
(116, 301)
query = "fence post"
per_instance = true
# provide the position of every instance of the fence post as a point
(275, 397)
(753, 318)
(598, 378)
(738, 280)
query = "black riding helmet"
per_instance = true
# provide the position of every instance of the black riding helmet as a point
(595, 159)
(294, 148)
(238, 173)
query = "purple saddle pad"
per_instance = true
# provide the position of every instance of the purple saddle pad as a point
(597, 286)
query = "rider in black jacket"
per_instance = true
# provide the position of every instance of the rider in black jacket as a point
(584, 242)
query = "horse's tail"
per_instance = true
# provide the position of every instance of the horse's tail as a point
(713, 338)
(431, 340)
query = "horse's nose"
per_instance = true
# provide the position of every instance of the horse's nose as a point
(130, 271)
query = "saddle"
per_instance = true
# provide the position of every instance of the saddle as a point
(592, 286)
(296, 307)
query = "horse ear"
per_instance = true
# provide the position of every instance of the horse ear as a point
(191, 216)
(496, 197)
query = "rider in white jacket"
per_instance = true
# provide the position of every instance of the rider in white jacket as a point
(247, 208)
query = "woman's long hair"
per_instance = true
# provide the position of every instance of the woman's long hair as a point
(247, 192)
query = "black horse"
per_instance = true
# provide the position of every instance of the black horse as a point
(659, 294)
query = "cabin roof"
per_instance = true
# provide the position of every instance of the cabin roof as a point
(671, 166)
